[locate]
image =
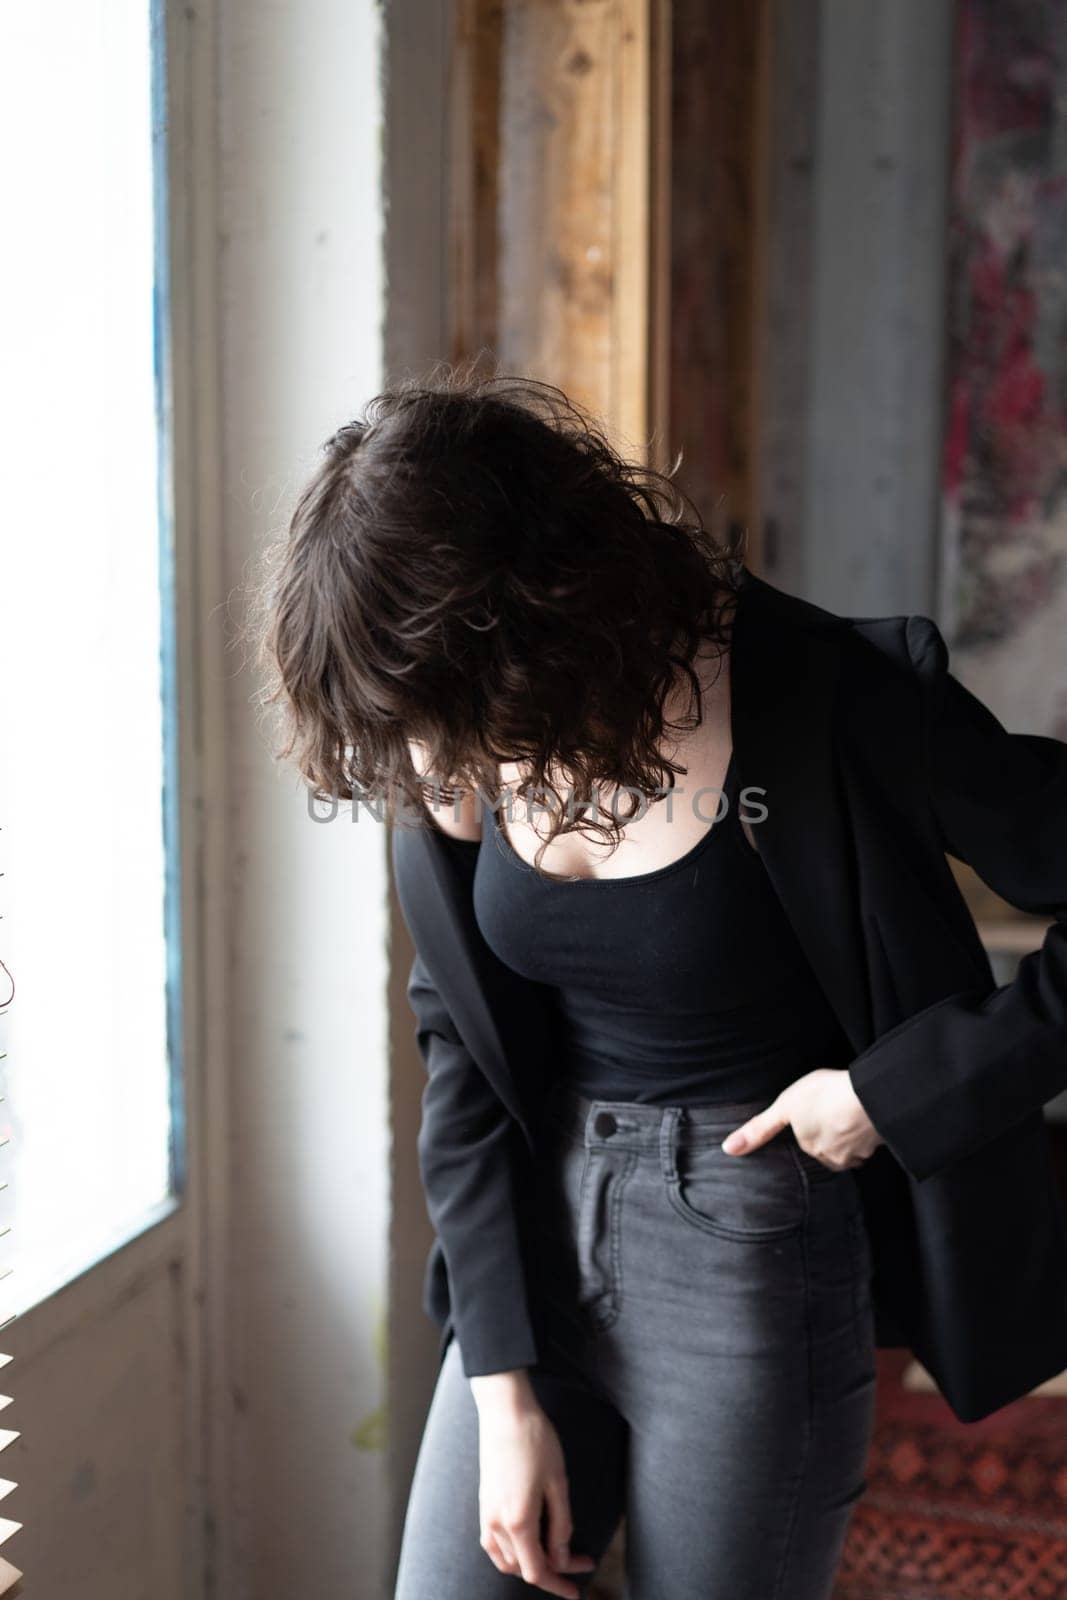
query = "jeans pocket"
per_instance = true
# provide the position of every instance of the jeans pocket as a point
(759, 1196)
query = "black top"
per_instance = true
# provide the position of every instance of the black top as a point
(876, 764)
(684, 985)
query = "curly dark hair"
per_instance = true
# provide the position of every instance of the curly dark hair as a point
(475, 568)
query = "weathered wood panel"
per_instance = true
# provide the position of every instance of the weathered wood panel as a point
(719, 108)
(551, 198)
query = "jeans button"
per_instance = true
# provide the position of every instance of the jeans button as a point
(604, 1124)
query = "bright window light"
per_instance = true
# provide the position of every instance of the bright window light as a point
(88, 1076)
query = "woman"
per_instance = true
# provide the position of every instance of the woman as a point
(701, 1052)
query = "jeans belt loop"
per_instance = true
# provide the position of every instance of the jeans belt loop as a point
(668, 1142)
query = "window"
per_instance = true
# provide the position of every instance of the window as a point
(87, 769)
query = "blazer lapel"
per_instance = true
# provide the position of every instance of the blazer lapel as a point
(785, 666)
(492, 1007)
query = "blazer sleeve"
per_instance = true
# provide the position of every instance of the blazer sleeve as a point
(950, 1078)
(469, 1159)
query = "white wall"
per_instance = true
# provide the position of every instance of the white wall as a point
(859, 161)
(300, 313)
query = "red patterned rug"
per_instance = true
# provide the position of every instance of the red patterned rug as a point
(955, 1511)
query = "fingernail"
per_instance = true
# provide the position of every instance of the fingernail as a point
(734, 1143)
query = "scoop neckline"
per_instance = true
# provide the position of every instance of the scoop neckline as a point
(683, 861)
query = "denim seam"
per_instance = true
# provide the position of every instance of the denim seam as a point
(720, 1230)
(723, 1230)
(587, 1162)
(809, 1427)
(591, 1317)
(618, 1184)
(579, 1224)
(803, 1175)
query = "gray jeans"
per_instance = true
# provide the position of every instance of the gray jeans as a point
(708, 1365)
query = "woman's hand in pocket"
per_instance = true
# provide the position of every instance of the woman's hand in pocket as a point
(523, 1475)
(826, 1115)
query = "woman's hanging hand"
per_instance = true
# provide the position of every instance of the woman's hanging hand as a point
(826, 1115)
(523, 1474)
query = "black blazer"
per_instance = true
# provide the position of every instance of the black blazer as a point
(875, 761)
